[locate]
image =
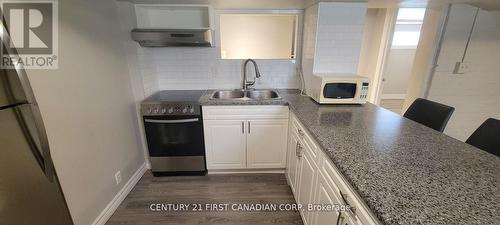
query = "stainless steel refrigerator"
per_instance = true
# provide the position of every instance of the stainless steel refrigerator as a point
(30, 193)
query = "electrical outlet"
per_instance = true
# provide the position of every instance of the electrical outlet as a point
(118, 177)
(461, 67)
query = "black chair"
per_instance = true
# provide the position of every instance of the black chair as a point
(431, 114)
(487, 137)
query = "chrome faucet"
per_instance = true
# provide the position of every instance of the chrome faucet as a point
(257, 73)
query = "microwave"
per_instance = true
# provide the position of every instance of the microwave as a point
(339, 89)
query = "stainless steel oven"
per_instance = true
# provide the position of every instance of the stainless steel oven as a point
(174, 134)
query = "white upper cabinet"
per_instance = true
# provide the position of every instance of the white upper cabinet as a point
(258, 36)
(333, 36)
(162, 16)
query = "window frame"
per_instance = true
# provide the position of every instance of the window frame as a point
(407, 22)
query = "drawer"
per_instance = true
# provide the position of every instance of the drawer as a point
(304, 136)
(245, 112)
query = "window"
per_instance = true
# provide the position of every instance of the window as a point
(407, 29)
(258, 36)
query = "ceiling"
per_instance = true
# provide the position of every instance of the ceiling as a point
(300, 4)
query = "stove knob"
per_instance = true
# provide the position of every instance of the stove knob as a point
(149, 110)
(184, 110)
(191, 110)
(170, 110)
(156, 110)
(163, 110)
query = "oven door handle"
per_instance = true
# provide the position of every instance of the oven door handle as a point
(173, 121)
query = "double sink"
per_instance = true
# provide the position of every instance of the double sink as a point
(245, 94)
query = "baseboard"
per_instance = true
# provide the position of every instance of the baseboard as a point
(120, 196)
(229, 171)
(393, 96)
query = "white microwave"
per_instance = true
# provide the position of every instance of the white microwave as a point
(339, 89)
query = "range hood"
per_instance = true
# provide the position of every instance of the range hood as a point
(172, 37)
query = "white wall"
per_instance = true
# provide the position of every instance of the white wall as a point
(474, 94)
(88, 107)
(397, 72)
(177, 68)
(375, 45)
(425, 54)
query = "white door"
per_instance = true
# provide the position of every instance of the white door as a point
(267, 143)
(292, 160)
(306, 184)
(225, 144)
(325, 195)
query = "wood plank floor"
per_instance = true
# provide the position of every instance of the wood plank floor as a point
(395, 105)
(227, 188)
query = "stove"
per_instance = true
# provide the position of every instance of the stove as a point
(173, 103)
(174, 132)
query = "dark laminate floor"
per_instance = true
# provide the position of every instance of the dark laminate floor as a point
(228, 188)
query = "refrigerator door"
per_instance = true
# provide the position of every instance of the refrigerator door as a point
(29, 189)
(11, 88)
(14, 84)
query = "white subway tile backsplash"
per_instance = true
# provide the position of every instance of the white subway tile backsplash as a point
(176, 68)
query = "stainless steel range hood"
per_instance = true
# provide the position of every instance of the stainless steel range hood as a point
(172, 37)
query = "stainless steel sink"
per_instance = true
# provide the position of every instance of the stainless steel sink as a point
(262, 94)
(245, 95)
(228, 94)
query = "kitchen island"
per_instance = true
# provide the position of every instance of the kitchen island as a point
(405, 172)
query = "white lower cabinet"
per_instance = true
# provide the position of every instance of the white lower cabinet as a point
(306, 186)
(225, 144)
(315, 180)
(292, 160)
(245, 137)
(325, 195)
(266, 143)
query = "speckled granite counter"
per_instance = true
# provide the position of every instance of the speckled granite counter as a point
(406, 173)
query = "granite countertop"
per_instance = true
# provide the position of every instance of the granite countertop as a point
(405, 172)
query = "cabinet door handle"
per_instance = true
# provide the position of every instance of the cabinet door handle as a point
(298, 149)
(248, 126)
(242, 127)
(340, 217)
(344, 199)
(301, 133)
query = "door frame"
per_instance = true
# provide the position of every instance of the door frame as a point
(383, 54)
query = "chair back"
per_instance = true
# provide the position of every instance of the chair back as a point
(431, 114)
(487, 137)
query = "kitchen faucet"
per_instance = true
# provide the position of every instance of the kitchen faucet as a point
(257, 73)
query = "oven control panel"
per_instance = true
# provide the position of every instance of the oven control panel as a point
(170, 109)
